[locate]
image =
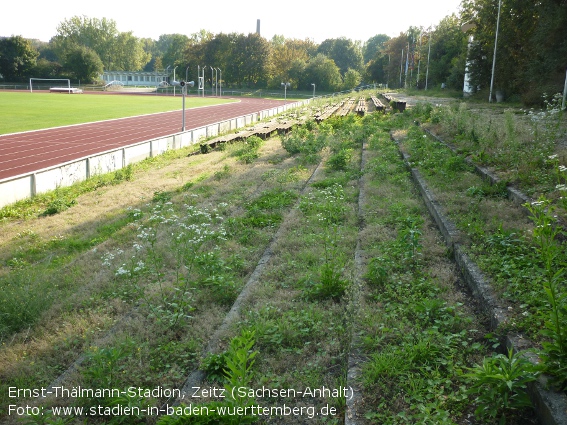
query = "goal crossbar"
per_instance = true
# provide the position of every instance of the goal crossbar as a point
(49, 79)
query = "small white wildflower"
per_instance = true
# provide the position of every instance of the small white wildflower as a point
(121, 271)
(139, 266)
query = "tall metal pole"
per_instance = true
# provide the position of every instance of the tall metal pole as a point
(203, 78)
(220, 82)
(427, 69)
(174, 79)
(401, 67)
(183, 91)
(494, 55)
(564, 92)
(388, 77)
(167, 79)
(418, 61)
(212, 81)
(285, 86)
(407, 64)
(216, 81)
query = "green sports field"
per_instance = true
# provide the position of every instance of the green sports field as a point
(21, 111)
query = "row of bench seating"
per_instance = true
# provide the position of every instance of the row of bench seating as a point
(346, 108)
(377, 103)
(263, 130)
(361, 107)
(328, 112)
(266, 130)
(396, 104)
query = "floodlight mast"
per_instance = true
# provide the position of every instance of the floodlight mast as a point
(183, 86)
(285, 86)
(216, 81)
(220, 82)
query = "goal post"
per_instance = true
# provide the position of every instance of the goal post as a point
(49, 79)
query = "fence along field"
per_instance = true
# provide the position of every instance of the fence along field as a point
(164, 281)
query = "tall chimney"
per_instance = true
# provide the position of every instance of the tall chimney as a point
(258, 27)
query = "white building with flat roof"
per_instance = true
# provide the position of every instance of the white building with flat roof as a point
(135, 78)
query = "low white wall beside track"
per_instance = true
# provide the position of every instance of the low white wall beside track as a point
(24, 186)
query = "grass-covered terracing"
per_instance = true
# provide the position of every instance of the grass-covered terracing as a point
(263, 267)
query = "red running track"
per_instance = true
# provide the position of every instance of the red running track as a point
(26, 152)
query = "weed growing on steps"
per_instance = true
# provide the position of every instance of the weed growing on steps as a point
(231, 409)
(554, 270)
(169, 247)
(250, 150)
(560, 181)
(517, 143)
(500, 385)
(307, 141)
(547, 124)
(328, 207)
(21, 307)
(417, 333)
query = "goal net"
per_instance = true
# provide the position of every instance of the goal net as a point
(39, 84)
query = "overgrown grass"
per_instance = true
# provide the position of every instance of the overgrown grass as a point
(410, 308)
(202, 285)
(166, 275)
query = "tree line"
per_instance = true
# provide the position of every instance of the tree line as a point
(531, 55)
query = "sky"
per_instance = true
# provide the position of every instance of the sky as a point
(300, 19)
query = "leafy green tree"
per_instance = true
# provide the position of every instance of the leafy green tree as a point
(396, 50)
(531, 45)
(249, 60)
(344, 52)
(283, 55)
(84, 64)
(47, 69)
(117, 50)
(448, 54)
(297, 76)
(545, 56)
(172, 47)
(128, 53)
(376, 69)
(324, 73)
(352, 79)
(96, 34)
(17, 58)
(373, 47)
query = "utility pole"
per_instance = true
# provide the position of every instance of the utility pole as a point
(564, 92)
(401, 67)
(494, 55)
(428, 53)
